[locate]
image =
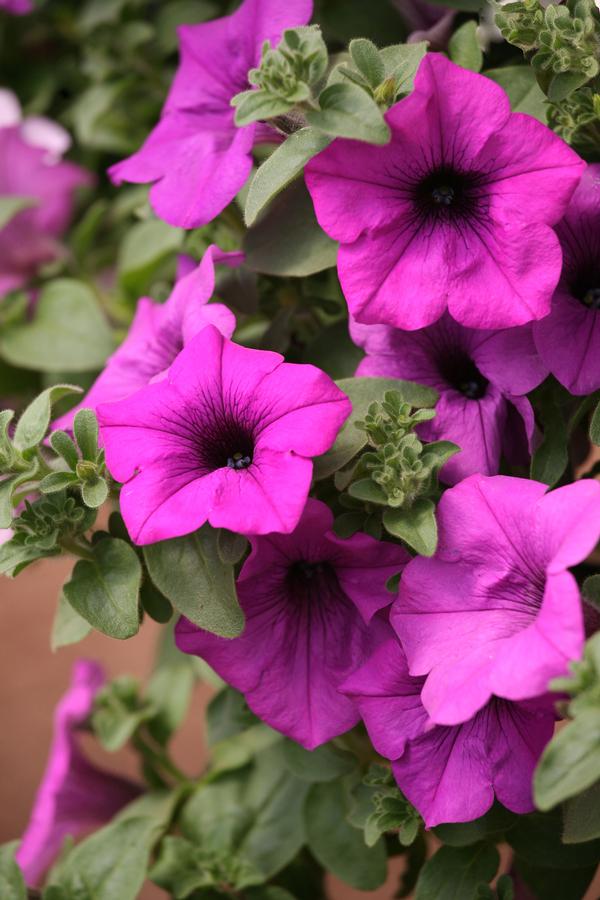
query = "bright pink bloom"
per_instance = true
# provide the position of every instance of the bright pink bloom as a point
(227, 437)
(17, 7)
(450, 774)
(496, 611)
(157, 334)
(481, 406)
(308, 598)
(569, 338)
(196, 157)
(30, 238)
(454, 212)
(74, 796)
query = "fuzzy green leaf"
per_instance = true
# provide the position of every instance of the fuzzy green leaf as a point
(415, 526)
(348, 112)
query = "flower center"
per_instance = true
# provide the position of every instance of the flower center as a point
(461, 373)
(239, 461)
(222, 441)
(447, 194)
(592, 298)
(312, 581)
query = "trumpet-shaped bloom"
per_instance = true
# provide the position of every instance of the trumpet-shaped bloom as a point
(481, 406)
(196, 157)
(449, 773)
(31, 168)
(496, 611)
(226, 437)
(308, 598)
(158, 332)
(568, 340)
(74, 795)
(454, 213)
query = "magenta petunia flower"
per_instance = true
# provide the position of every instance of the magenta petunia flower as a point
(455, 212)
(227, 437)
(481, 405)
(568, 340)
(158, 332)
(17, 7)
(450, 773)
(308, 598)
(196, 157)
(29, 169)
(74, 795)
(496, 611)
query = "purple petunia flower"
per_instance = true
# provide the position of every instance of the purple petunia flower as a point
(496, 611)
(158, 333)
(227, 437)
(17, 7)
(481, 405)
(453, 213)
(568, 340)
(450, 773)
(31, 169)
(308, 598)
(196, 157)
(74, 795)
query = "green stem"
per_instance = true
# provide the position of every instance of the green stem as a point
(159, 759)
(77, 548)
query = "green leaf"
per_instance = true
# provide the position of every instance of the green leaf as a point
(228, 714)
(347, 111)
(333, 351)
(338, 846)
(523, 91)
(68, 626)
(367, 59)
(154, 603)
(362, 392)
(94, 492)
(190, 573)
(181, 868)
(325, 763)
(85, 429)
(118, 712)
(550, 459)
(288, 240)
(12, 883)
(552, 884)
(231, 546)
(14, 556)
(537, 840)
(416, 526)
(113, 861)
(464, 48)
(69, 333)
(253, 106)
(170, 689)
(590, 590)
(581, 816)
(144, 250)
(105, 590)
(454, 873)
(12, 204)
(401, 62)
(57, 481)
(595, 426)
(281, 168)
(62, 444)
(34, 421)
(571, 761)
(368, 491)
(564, 83)
(492, 825)
(6, 508)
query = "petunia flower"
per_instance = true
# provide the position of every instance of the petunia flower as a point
(481, 406)
(568, 340)
(74, 795)
(454, 213)
(308, 598)
(496, 611)
(158, 332)
(449, 773)
(196, 157)
(227, 437)
(31, 168)
(427, 22)
(16, 7)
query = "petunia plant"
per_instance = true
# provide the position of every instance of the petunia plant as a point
(300, 360)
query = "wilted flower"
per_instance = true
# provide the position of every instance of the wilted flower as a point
(481, 406)
(74, 796)
(454, 212)
(196, 157)
(308, 598)
(227, 437)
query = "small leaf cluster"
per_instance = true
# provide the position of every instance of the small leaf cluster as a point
(84, 466)
(396, 478)
(385, 74)
(390, 812)
(564, 41)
